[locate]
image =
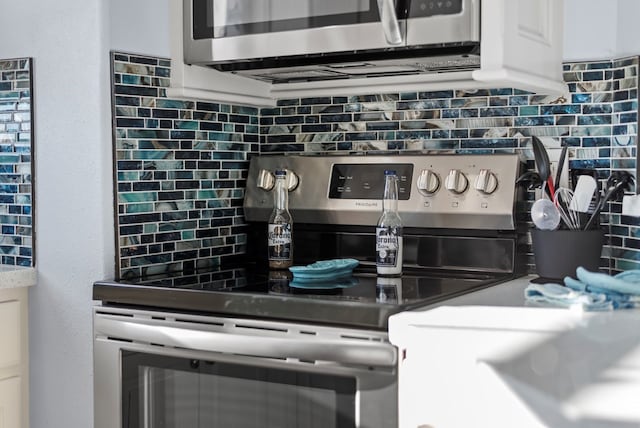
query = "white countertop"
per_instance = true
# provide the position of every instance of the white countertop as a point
(510, 363)
(17, 276)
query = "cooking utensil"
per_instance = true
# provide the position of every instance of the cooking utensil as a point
(617, 183)
(531, 179)
(543, 164)
(545, 215)
(563, 200)
(563, 155)
(583, 193)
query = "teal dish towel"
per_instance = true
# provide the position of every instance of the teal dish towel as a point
(558, 295)
(592, 291)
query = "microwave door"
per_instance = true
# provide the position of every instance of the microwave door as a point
(218, 31)
(448, 22)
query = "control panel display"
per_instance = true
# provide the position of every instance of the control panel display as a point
(366, 181)
(424, 8)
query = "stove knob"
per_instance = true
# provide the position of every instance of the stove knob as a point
(266, 180)
(292, 180)
(456, 182)
(428, 182)
(486, 182)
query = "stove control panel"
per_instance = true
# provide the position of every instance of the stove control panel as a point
(434, 191)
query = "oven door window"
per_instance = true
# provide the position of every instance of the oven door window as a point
(169, 392)
(228, 18)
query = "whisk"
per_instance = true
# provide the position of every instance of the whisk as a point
(562, 199)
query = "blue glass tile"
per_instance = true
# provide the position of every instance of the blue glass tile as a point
(534, 121)
(450, 113)
(560, 109)
(592, 75)
(287, 120)
(529, 111)
(566, 120)
(377, 126)
(291, 102)
(467, 112)
(423, 105)
(629, 117)
(625, 106)
(594, 120)
(315, 100)
(434, 94)
(360, 136)
(493, 112)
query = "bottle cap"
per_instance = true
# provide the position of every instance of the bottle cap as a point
(389, 172)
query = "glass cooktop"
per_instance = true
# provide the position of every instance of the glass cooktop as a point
(360, 300)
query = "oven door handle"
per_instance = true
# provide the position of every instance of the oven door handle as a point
(345, 351)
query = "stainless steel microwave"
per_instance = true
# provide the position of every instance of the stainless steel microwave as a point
(295, 40)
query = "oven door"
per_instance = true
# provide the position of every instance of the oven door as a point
(173, 371)
(234, 30)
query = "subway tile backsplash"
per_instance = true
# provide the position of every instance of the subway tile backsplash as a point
(181, 165)
(16, 239)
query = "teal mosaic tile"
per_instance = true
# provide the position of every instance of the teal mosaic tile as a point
(16, 205)
(184, 160)
(598, 122)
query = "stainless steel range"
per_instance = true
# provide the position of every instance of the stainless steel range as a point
(243, 346)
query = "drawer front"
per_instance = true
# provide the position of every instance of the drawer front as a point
(10, 396)
(10, 333)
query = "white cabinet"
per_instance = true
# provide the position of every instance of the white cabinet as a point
(14, 358)
(521, 47)
(525, 367)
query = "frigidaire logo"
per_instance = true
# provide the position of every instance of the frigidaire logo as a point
(366, 204)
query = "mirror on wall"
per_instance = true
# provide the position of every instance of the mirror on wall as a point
(16, 167)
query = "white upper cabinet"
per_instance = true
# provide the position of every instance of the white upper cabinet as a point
(520, 46)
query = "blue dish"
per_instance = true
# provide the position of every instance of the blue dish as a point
(324, 285)
(324, 270)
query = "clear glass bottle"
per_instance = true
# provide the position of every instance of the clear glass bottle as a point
(280, 236)
(389, 230)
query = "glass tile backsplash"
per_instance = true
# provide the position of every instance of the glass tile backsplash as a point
(181, 165)
(16, 239)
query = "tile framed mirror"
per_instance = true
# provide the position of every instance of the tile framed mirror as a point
(16, 162)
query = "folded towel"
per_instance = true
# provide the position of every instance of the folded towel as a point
(559, 295)
(627, 282)
(591, 291)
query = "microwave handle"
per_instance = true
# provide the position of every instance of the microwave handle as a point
(337, 351)
(390, 23)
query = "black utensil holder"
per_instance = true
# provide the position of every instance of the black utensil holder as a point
(558, 253)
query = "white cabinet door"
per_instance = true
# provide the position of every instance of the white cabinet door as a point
(522, 42)
(14, 360)
(10, 403)
(525, 367)
(10, 333)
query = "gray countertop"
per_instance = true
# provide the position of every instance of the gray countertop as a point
(17, 276)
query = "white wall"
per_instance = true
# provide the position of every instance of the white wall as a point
(73, 212)
(596, 29)
(627, 28)
(589, 29)
(127, 17)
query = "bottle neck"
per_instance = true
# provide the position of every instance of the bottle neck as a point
(390, 197)
(281, 194)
